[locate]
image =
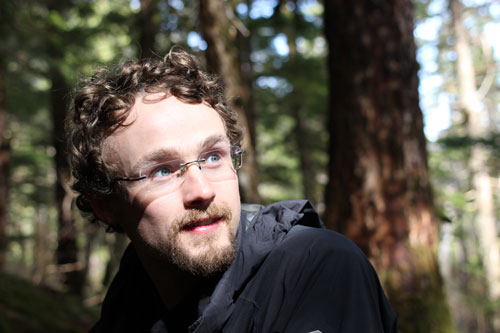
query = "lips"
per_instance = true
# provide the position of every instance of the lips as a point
(202, 225)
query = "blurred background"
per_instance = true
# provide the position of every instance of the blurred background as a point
(385, 114)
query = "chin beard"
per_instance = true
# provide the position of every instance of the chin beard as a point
(211, 259)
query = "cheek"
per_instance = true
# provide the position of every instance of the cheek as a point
(155, 222)
(163, 209)
(229, 194)
(227, 191)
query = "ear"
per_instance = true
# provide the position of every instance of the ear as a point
(104, 209)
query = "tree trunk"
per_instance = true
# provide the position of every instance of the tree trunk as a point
(42, 241)
(67, 251)
(116, 248)
(303, 148)
(485, 220)
(4, 169)
(222, 56)
(295, 102)
(148, 27)
(244, 45)
(378, 192)
(91, 231)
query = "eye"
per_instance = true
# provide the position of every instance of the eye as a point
(163, 170)
(213, 157)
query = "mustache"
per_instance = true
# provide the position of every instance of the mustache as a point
(214, 211)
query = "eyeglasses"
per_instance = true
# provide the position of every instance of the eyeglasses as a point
(216, 165)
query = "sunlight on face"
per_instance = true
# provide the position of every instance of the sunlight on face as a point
(193, 226)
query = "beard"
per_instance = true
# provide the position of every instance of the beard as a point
(202, 255)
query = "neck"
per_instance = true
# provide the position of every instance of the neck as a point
(174, 285)
(171, 283)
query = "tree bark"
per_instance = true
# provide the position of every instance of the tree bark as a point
(4, 169)
(148, 27)
(116, 248)
(223, 58)
(474, 109)
(378, 192)
(303, 148)
(296, 106)
(67, 251)
(41, 251)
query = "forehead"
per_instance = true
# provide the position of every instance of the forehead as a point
(165, 124)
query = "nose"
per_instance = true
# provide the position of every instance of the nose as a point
(197, 191)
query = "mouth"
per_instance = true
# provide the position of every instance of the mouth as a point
(202, 226)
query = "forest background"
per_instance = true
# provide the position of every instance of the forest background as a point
(334, 101)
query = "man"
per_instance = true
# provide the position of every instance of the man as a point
(154, 150)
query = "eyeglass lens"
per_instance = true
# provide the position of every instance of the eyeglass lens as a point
(216, 165)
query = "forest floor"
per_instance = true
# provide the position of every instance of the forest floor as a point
(28, 308)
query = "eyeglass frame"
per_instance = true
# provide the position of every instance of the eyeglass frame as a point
(235, 152)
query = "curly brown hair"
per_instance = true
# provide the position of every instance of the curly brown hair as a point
(102, 103)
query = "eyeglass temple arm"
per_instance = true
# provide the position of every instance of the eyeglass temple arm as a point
(127, 179)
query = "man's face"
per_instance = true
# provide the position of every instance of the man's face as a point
(194, 224)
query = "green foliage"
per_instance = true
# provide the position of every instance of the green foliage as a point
(449, 158)
(290, 88)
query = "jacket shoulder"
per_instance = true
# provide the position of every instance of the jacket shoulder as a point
(335, 287)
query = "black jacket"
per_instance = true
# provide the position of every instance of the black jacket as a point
(290, 275)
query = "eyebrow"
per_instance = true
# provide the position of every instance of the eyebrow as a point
(171, 153)
(212, 141)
